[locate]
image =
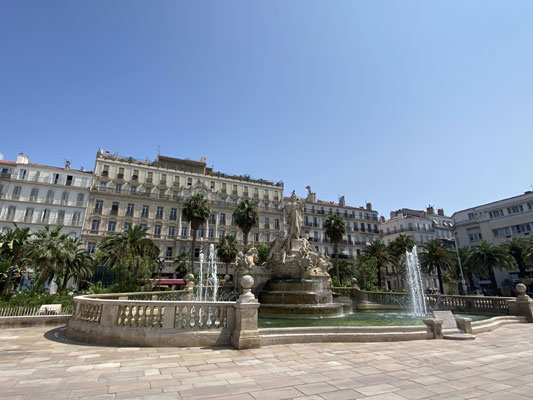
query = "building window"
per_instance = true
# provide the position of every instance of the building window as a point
(22, 174)
(64, 197)
(211, 233)
(212, 185)
(28, 216)
(118, 188)
(168, 253)
(102, 187)
(189, 181)
(515, 209)
(95, 224)
(267, 237)
(69, 180)
(80, 199)
(34, 194)
(222, 219)
(200, 232)
(98, 206)
(130, 209)
(135, 176)
(176, 180)
(212, 218)
(157, 230)
(133, 189)
(91, 247)
(55, 179)
(145, 211)
(127, 226)
(60, 217)
(256, 237)
(184, 230)
(150, 177)
(474, 234)
(16, 192)
(159, 213)
(221, 234)
(45, 215)
(223, 190)
(173, 214)
(171, 230)
(267, 223)
(114, 208)
(76, 216)
(120, 174)
(111, 226)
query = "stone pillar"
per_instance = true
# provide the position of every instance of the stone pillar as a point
(434, 327)
(109, 316)
(245, 333)
(523, 305)
(189, 287)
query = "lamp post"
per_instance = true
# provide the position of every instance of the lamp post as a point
(463, 282)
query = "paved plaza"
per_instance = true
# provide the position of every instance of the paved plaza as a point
(40, 363)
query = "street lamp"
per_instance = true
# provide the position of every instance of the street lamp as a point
(463, 282)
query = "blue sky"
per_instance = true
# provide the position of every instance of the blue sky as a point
(401, 103)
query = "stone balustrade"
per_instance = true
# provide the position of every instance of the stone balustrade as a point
(162, 319)
(367, 300)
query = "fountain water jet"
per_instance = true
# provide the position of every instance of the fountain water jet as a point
(418, 300)
(208, 281)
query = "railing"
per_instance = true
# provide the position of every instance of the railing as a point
(471, 304)
(31, 311)
(163, 319)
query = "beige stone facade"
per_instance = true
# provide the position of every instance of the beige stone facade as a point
(422, 226)
(496, 222)
(362, 225)
(130, 192)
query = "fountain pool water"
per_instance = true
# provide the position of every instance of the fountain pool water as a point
(208, 281)
(360, 318)
(414, 280)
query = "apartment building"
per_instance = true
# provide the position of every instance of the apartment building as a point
(130, 192)
(422, 226)
(496, 222)
(362, 225)
(34, 195)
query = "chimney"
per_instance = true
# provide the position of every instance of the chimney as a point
(369, 206)
(430, 210)
(382, 219)
(341, 201)
(203, 160)
(22, 159)
(440, 211)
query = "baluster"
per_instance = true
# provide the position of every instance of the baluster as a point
(197, 315)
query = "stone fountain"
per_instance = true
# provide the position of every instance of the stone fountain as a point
(299, 285)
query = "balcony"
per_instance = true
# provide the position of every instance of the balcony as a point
(5, 175)
(105, 174)
(144, 215)
(120, 177)
(97, 210)
(113, 212)
(129, 213)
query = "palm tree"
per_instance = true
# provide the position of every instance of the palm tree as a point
(77, 264)
(196, 211)
(519, 248)
(49, 250)
(489, 256)
(397, 249)
(378, 251)
(246, 217)
(435, 255)
(129, 253)
(13, 246)
(227, 250)
(181, 263)
(335, 228)
(470, 270)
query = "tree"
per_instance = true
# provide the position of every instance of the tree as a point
(346, 270)
(196, 211)
(489, 256)
(181, 264)
(365, 272)
(49, 251)
(246, 217)
(378, 251)
(519, 249)
(227, 250)
(335, 227)
(435, 255)
(397, 249)
(130, 255)
(77, 264)
(13, 247)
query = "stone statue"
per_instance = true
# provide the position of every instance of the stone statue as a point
(295, 211)
(245, 262)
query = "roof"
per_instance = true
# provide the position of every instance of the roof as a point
(332, 204)
(8, 162)
(529, 192)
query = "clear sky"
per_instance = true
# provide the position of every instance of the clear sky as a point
(401, 103)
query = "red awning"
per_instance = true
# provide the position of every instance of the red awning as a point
(167, 281)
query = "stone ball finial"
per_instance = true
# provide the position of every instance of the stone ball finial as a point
(521, 288)
(189, 277)
(247, 282)
(227, 278)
